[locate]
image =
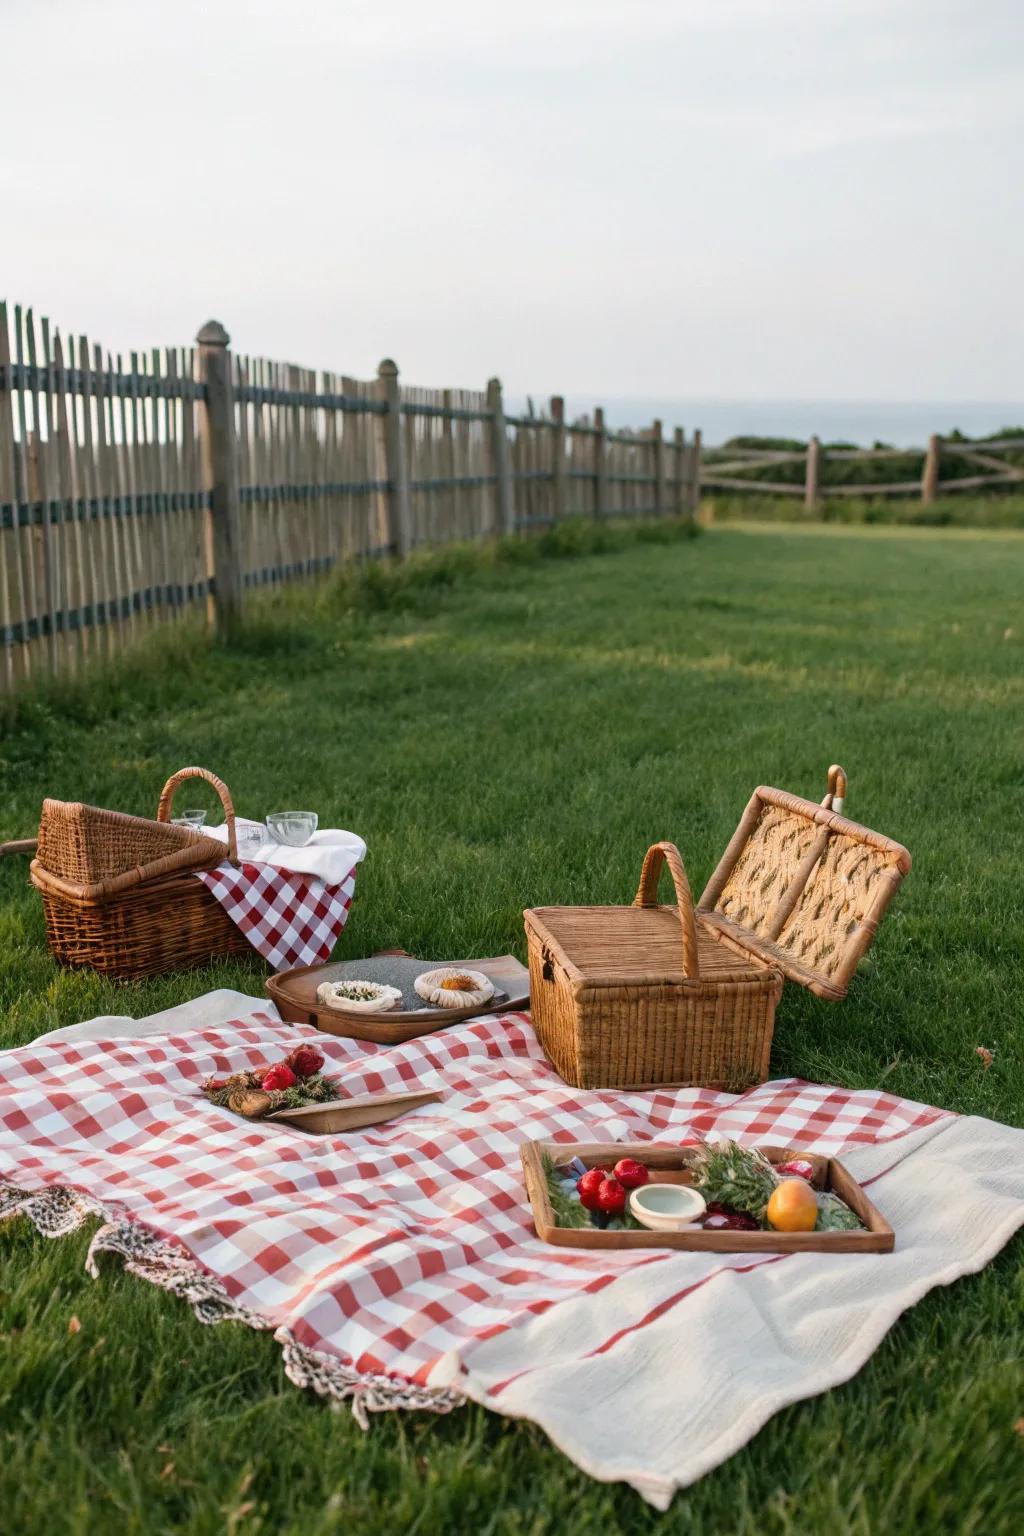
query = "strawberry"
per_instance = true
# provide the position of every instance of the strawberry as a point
(630, 1173)
(611, 1197)
(588, 1187)
(278, 1078)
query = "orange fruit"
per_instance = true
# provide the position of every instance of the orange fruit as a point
(793, 1207)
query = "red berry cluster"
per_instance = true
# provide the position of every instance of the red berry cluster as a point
(604, 1192)
(304, 1061)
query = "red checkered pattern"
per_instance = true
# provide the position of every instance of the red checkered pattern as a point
(288, 918)
(384, 1249)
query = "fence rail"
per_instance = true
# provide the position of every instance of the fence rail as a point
(135, 489)
(742, 469)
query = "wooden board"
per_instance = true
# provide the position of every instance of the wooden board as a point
(294, 994)
(355, 1113)
(675, 1164)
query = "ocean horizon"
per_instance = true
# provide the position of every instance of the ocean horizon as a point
(900, 423)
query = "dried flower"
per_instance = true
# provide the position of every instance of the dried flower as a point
(278, 1078)
(305, 1061)
(249, 1102)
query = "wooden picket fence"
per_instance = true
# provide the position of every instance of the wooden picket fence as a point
(748, 470)
(134, 490)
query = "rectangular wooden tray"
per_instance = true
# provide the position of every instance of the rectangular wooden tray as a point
(674, 1165)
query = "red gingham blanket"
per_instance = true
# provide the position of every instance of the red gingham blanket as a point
(374, 1255)
(290, 919)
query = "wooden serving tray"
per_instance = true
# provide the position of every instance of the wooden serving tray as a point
(294, 993)
(673, 1165)
(356, 1113)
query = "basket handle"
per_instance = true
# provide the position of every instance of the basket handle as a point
(647, 896)
(163, 810)
(836, 795)
(19, 845)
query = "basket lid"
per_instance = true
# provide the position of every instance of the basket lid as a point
(94, 853)
(89, 846)
(803, 887)
(633, 947)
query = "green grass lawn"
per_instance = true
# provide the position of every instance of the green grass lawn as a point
(948, 511)
(504, 734)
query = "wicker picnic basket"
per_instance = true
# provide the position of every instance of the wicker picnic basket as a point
(120, 894)
(646, 995)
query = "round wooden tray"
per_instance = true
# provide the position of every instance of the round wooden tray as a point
(294, 993)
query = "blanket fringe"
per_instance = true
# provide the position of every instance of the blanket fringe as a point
(57, 1211)
(54, 1211)
(367, 1393)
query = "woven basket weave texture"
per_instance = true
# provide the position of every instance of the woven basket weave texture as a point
(120, 894)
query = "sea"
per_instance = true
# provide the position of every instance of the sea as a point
(896, 423)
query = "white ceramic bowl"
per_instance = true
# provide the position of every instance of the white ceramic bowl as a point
(293, 828)
(667, 1207)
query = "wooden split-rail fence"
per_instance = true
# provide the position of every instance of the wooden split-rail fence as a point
(135, 489)
(748, 469)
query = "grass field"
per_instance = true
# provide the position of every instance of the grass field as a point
(947, 511)
(505, 734)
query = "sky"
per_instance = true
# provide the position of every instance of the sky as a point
(734, 199)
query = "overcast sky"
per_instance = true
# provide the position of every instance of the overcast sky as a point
(735, 198)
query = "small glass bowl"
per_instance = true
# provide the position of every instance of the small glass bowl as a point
(194, 819)
(293, 828)
(249, 835)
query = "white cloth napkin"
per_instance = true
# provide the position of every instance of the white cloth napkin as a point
(330, 854)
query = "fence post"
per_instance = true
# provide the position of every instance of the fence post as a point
(812, 475)
(442, 526)
(558, 458)
(600, 464)
(224, 543)
(930, 473)
(679, 484)
(506, 518)
(41, 545)
(659, 468)
(399, 509)
(695, 473)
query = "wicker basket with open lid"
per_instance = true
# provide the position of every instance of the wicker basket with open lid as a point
(644, 995)
(802, 887)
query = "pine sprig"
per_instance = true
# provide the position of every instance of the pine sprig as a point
(739, 1177)
(310, 1090)
(568, 1212)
